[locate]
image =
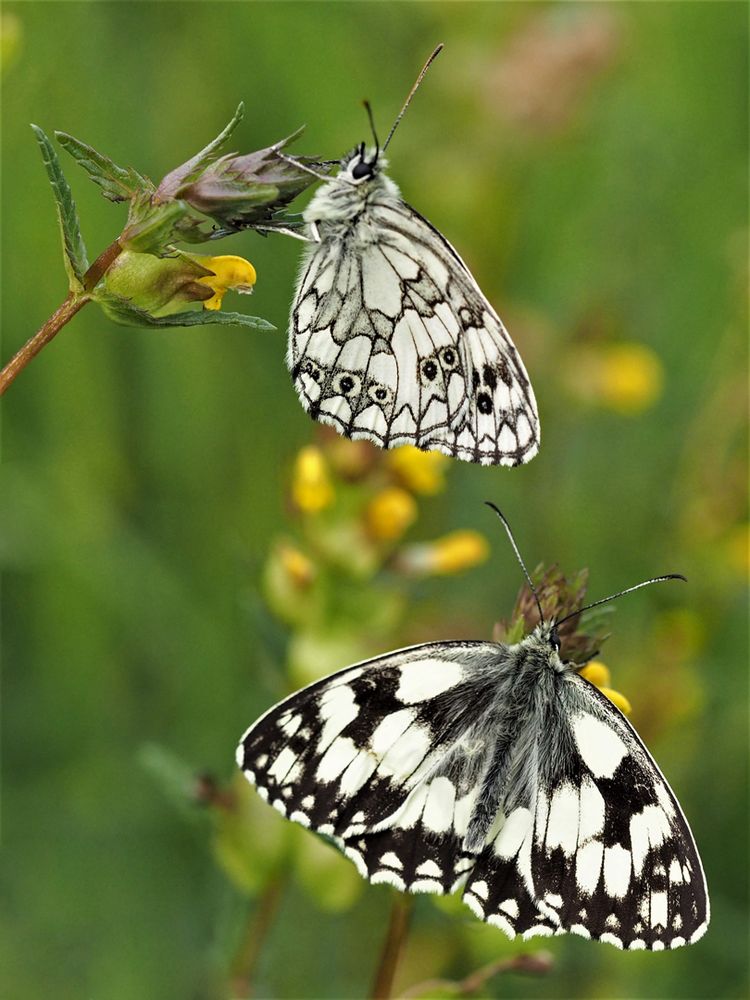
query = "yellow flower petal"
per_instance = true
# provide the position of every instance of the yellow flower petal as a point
(312, 490)
(419, 471)
(596, 673)
(618, 700)
(390, 513)
(229, 273)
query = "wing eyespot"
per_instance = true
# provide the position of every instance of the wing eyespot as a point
(449, 359)
(380, 394)
(347, 384)
(484, 403)
(429, 370)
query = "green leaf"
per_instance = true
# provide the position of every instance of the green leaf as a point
(122, 311)
(189, 170)
(76, 261)
(215, 317)
(117, 183)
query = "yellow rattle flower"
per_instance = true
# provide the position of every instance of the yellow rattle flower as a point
(453, 553)
(230, 273)
(419, 471)
(312, 490)
(390, 513)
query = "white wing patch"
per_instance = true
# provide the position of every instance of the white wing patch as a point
(391, 340)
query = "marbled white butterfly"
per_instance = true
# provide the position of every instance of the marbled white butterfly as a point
(493, 770)
(391, 338)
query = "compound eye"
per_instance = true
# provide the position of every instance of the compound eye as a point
(554, 639)
(361, 170)
(347, 384)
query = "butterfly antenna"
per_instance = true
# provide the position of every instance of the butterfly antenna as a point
(368, 109)
(628, 590)
(436, 52)
(518, 555)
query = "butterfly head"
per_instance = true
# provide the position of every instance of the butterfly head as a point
(361, 165)
(546, 633)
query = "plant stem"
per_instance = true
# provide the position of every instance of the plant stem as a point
(44, 334)
(256, 932)
(537, 963)
(62, 315)
(398, 928)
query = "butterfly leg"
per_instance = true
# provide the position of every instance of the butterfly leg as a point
(287, 231)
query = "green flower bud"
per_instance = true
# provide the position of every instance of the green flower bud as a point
(240, 191)
(158, 285)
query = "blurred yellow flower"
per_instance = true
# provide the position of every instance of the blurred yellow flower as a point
(598, 675)
(419, 471)
(632, 377)
(312, 490)
(738, 549)
(452, 553)
(297, 568)
(618, 700)
(390, 513)
(229, 273)
(627, 378)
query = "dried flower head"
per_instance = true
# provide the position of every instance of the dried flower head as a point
(559, 596)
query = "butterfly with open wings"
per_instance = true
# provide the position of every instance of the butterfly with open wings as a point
(391, 339)
(494, 770)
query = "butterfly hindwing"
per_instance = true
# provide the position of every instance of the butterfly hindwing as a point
(603, 850)
(391, 340)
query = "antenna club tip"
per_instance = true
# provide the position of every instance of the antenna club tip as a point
(496, 509)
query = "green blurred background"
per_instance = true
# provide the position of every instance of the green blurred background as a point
(589, 162)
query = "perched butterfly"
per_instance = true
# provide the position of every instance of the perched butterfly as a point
(391, 338)
(493, 770)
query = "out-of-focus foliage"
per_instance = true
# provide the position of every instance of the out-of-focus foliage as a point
(589, 163)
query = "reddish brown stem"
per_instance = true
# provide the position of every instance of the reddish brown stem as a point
(62, 315)
(398, 928)
(46, 332)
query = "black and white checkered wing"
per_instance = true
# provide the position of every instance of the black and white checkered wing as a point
(602, 850)
(391, 340)
(364, 756)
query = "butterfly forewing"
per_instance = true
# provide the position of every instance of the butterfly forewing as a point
(603, 850)
(391, 340)
(344, 755)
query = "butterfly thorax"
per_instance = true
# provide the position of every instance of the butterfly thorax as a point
(527, 704)
(359, 184)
